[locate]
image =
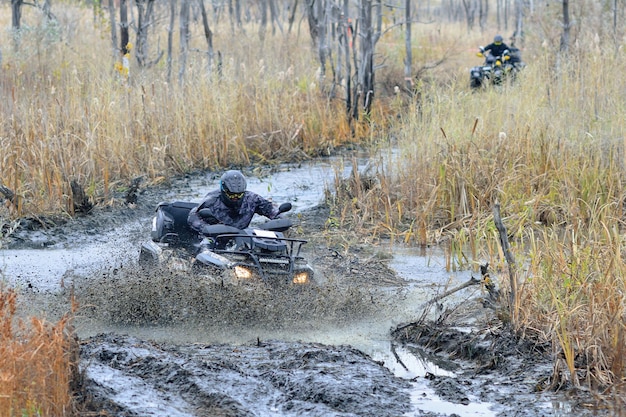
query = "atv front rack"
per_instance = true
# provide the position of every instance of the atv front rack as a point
(267, 255)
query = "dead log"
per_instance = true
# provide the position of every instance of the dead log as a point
(8, 195)
(81, 203)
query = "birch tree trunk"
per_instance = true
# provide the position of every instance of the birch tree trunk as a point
(292, 15)
(312, 17)
(274, 17)
(347, 45)
(408, 60)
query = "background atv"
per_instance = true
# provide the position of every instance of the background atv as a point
(496, 69)
(224, 253)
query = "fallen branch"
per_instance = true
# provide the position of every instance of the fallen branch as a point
(424, 307)
(468, 283)
(395, 354)
(510, 260)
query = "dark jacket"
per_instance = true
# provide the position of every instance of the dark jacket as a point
(497, 50)
(240, 218)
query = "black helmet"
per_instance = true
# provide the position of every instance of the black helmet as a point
(232, 188)
(497, 39)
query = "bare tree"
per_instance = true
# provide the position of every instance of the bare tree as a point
(470, 13)
(313, 19)
(145, 19)
(615, 19)
(370, 27)
(519, 22)
(408, 72)
(275, 17)
(170, 39)
(16, 14)
(263, 26)
(113, 28)
(208, 35)
(184, 39)
(483, 13)
(322, 33)
(566, 27)
(124, 35)
(292, 15)
(16, 17)
(346, 40)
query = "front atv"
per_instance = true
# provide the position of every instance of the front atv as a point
(226, 254)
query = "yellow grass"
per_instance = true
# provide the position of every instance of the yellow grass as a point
(68, 116)
(550, 149)
(37, 364)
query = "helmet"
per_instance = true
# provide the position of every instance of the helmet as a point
(232, 188)
(497, 39)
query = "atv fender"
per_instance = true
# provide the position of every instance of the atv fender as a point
(214, 230)
(215, 260)
(276, 225)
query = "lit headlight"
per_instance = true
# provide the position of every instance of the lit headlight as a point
(301, 278)
(242, 272)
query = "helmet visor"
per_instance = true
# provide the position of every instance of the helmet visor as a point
(233, 196)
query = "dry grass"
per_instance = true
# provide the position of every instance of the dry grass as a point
(37, 364)
(68, 116)
(550, 149)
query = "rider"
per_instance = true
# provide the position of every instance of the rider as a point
(231, 205)
(497, 47)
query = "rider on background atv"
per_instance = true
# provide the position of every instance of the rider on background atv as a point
(231, 205)
(497, 47)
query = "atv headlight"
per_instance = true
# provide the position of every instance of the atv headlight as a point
(242, 272)
(301, 277)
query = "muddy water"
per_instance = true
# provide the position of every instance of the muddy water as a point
(100, 266)
(97, 250)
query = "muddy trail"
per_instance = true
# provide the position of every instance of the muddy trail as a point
(357, 343)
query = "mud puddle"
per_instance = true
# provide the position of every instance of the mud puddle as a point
(169, 344)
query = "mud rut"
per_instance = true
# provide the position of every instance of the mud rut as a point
(147, 340)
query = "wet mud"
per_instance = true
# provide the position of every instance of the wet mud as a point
(162, 343)
(263, 379)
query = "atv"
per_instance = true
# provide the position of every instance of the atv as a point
(225, 254)
(496, 69)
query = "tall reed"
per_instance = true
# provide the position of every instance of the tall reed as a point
(550, 149)
(37, 363)
(68, 116)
